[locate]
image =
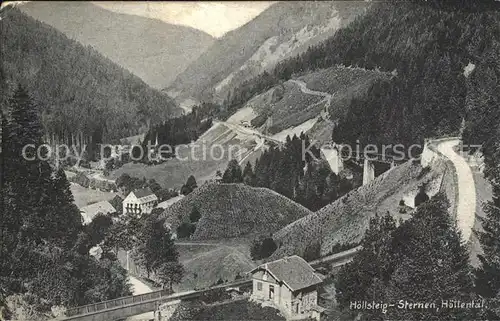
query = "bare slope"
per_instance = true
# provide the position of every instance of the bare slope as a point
(233, 210)
(323, 95)
(152, 49)
(346, 220)
(281, 31)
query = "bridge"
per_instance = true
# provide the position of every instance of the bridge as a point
(121, 308)
(336, 155)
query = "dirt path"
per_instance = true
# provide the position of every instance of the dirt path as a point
(327, 97)
(466, 207)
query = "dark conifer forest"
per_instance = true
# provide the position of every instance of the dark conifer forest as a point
(44, 246)
(427, 45)
(82, 96)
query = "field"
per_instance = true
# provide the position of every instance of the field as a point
(339, 79)
(289, 106)
(345, 220)
(293, 109)
(85, 196)
(197, 160)
(234, 210)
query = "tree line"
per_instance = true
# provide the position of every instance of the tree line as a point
(427, 51)
(309, 182)
(82, 97)
(179, 130)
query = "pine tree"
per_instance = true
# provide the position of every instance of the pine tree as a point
(64, 221)
(155, 244)
(191, 182)
(170, 273)
(233, 173)
(248, 175)
(195, 215)
(488, 274)
(41, 227)
(431, 264)
(372, 264)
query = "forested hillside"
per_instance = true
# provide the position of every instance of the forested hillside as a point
(154, 50)
(85, 96)
(44, 248)
(428, 46)
(283, 30)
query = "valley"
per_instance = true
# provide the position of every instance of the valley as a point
(320, 154)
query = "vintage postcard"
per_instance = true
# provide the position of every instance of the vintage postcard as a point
(250, 160)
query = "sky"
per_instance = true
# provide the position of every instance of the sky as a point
(213, 17)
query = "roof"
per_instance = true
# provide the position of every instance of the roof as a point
(90, 211)
(169, 202)
(143, 192)
(132, 140)
(294, 271)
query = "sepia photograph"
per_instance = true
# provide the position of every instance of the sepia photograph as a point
(250, 160)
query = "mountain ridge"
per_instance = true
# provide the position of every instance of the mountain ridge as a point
(282, 30)
(83, 95)
(123, 38)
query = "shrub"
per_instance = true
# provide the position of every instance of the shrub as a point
(262, 248)
(312, 252)
(185, 230)
(195, 215)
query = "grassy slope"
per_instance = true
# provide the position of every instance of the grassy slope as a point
(343, 83)
(234, 210)
(174, 172)
(346, 219)
(207, 264)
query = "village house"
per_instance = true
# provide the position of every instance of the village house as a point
(90, 211)
(140, 201)
(289, 284)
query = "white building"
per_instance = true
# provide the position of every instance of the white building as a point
(289, 284)
(141, 201)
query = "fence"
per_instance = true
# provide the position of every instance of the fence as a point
(95, 307)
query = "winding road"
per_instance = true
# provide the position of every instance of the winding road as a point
(327, 98)
(466, 207)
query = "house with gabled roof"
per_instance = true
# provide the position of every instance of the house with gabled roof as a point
(290, 284)
(140, 201)
(90, 211)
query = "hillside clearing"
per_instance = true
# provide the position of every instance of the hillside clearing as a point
(206, 265)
